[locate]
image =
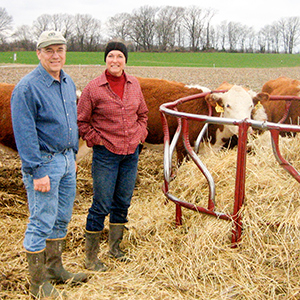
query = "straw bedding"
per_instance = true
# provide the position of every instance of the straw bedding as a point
(195, 260)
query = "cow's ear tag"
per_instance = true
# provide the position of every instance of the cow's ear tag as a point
(219, 109)
(258, 105)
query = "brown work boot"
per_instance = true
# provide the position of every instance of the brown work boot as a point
(54, 267)
(92, 262)
(40, 287)
(114, 239)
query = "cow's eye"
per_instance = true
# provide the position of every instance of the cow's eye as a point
(228, 105)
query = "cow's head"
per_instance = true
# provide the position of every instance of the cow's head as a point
(237, 103)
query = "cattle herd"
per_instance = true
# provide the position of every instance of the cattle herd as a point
(231, 101)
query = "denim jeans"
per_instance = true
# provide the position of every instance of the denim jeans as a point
(50, 212)
(113, 183)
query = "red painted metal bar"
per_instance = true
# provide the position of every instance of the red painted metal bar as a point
(286, 165)
(240, 180)
(288, 101)
(178, 219)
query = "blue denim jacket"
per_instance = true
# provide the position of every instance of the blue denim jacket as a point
(44, 117)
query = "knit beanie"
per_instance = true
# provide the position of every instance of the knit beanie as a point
(116, 46)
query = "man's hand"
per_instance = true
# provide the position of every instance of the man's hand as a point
(42, 184)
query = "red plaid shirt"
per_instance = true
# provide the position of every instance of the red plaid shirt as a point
(106, 119)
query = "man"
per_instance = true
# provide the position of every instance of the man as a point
(44, 117)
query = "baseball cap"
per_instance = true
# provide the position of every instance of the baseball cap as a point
(51, 37)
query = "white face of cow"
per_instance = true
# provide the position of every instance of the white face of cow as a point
(237, 104)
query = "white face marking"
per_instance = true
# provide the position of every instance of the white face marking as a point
(237, 104)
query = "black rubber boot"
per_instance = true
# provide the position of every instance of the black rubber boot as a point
(54, 267)
(92, 262)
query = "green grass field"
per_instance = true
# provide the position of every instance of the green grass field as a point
(197, 60)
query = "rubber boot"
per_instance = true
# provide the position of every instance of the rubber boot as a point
(115, 237)
(40, 287)
(92, 262)
(54, 267)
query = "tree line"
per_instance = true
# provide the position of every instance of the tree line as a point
(149, 28)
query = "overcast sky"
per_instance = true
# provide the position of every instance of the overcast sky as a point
(256, 13)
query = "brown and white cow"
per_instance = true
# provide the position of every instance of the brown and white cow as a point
(7, 140)
(236, 103)
(282, 86)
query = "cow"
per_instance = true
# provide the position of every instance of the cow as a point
(7, 140)
(236, 103)
(276, 110)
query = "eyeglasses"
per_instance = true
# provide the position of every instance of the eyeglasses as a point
(50, 52)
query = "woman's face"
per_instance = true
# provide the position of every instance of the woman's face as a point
(115, 62)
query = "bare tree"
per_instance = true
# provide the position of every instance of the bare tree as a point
(42, 23)
(276, 37)
(118, 26)
(63, 23)
(195, 20)
(290, 32)
(266, 39)
(235, 31)
(59, 22)
(211, 14)
(23, 38)
(87, 33)
(167, 21)
(5, 23)
(245, 33)
(251, 39)
(142, 25)
(222, 30)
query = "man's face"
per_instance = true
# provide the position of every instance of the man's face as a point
(52, 58)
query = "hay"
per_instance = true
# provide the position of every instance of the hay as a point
(194, 261)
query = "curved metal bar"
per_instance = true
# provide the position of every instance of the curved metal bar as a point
(287, 110)
(176, 135)
(167, 159)
(200, 165)
(200, 137)
(198, 208)
(282, 162)
(203, 130)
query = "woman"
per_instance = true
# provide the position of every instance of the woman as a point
(112, 118)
